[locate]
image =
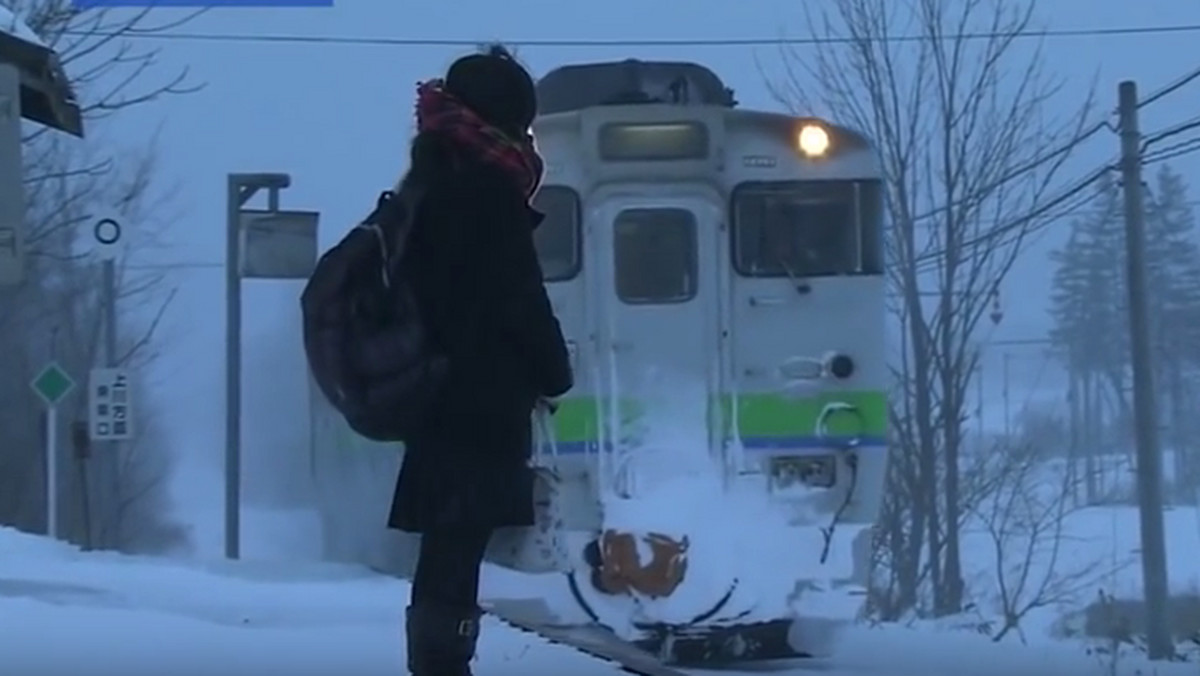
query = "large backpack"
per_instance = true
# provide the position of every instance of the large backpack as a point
(367, 346)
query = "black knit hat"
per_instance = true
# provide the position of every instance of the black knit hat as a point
(496, 87)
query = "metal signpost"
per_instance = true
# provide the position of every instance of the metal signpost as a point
(52, 385)
(259, 244)
(109, 243)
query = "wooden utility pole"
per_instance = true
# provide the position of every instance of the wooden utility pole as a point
(1149, 455)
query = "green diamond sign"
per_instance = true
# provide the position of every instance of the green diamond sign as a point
(52, 384)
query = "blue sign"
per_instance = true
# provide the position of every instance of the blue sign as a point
(92, 4)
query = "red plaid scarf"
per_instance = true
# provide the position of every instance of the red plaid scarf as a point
(438, 111)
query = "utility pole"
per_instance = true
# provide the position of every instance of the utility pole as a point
(1149, 463)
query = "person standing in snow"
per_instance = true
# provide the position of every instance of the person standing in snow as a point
(476, 276)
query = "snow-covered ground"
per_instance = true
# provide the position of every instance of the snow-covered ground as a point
(64, 611)
(67, 612)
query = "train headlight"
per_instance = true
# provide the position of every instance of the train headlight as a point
(813, 140)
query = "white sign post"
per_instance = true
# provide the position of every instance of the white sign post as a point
(110, 405)
(51, 385)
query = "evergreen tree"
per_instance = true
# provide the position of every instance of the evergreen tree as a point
(1173, 259)
(1088, 295)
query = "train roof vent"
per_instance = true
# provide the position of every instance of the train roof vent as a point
(574, 87)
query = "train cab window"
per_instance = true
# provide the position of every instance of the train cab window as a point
(558, 237)
(654, 252)
(807, 229)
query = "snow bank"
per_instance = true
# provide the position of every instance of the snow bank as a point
(141, 616)
(16, 545)
(13, 25)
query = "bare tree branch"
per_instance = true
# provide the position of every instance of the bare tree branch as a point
(58, 314)
(962, 132)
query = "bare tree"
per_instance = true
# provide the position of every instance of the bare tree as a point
(959, 117)
(1023, 517)
(57, 313)
(138, 488)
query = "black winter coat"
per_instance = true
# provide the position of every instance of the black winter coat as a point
(476, 275)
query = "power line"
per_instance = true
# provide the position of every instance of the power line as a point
(1171, 131)
(1177, 150)
(924, 261)
(1071, 144)
(1116, 31)
(1021, 170)
(1017, 227)
(1168, 89)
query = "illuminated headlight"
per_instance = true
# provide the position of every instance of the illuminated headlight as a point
(813, 140)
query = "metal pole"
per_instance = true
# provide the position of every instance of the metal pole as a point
(108, 462)
(52, 453)
(233, 369)
(52, 472)
(1149, 466)
(239, 189)
(110, 313)
(12, 193)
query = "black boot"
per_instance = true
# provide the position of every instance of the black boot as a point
(441, 640)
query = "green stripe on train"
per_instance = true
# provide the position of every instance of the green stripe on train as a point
(765, 415)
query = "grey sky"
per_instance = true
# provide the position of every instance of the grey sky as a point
(337, 117)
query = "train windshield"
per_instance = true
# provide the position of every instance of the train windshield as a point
(808, 228)
(557, 239)
(655, 253)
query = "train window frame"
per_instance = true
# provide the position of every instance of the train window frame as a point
(576, 232)
(869, 243)
(693, 288)
(605, 141)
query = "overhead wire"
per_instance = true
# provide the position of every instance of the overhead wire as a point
(1009, 228)
(1007, 232)
(1169, 88)
(1068, 146)
(1018, 227)
(1023, 169)
(1167, 133)
(147, 34)
(1171, 152)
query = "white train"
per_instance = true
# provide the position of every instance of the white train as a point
(702, 258)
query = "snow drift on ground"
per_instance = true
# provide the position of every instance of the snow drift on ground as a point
(63, 611)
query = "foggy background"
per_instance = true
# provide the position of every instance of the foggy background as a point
(337, 117)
